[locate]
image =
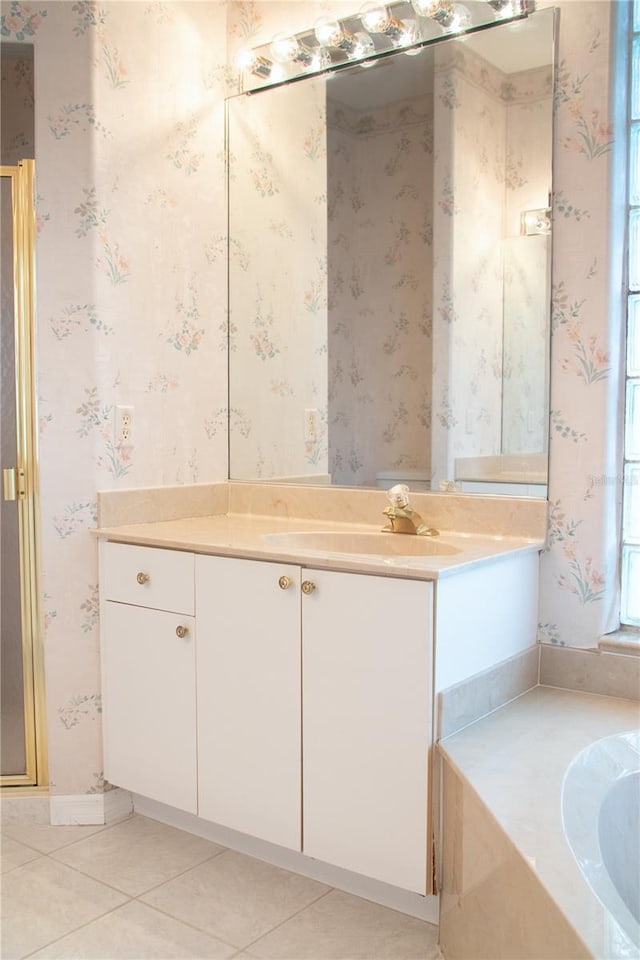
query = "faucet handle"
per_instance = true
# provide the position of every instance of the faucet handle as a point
(398, 495)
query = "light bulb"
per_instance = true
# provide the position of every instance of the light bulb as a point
(284, 48)
(502, 8)
(249, 60)
(461, 19)
(328, 32)
(439, 10)
(375, 18)
(363, 46)
(409, 34)
(321, 59)
(287, 49)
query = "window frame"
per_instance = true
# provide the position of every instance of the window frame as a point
(630, 532)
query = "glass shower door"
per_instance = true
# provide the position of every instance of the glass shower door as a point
(13, 756)
(20, 699)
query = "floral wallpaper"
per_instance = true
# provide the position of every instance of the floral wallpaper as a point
(380, 181)
(579, 570)
(131, 302)
(469, 165)
(495, 127)
(278, 240)
(131, 298)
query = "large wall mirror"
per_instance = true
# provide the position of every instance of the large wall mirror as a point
(389, 277)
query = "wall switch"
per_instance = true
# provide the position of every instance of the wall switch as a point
(311, 425)
(123, 426)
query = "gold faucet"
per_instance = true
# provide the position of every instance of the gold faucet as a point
(402, 517)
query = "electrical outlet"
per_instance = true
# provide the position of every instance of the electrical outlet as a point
(469, 422)
(123, 426)
(311, 425)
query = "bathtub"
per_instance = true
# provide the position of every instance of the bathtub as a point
(601, 820)
(540, 847)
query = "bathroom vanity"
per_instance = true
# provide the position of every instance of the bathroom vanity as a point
(259, 675)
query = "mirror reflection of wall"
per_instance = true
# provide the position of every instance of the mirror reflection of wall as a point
(389, 318)
(17, 117)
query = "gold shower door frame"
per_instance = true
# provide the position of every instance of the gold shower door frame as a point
(22, 179)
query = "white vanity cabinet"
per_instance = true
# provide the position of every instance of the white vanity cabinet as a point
(308, 694)
(367, 696)
(149, 672)
(352, 655)
(249, 738)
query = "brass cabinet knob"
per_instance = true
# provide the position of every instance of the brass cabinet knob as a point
(143, 578)
(284, 583)
(182, 631)
(308, 586)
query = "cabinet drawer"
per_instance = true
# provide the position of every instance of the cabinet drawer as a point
(147, 577)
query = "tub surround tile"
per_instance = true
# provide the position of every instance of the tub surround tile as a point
(145, 505)
(44, 900)
(590, 671)
(136, 931)
(471, 699)
(137, 854)
(340, 926)
(235, 898)
(515, 760)
(492, 907)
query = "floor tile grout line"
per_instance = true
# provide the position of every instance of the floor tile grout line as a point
(282, 922)
(5, 873)
(88, 876)
(192, 926)
(143, 893)
(125, 893)
(68, 933)
(101, 829)
(216, 936)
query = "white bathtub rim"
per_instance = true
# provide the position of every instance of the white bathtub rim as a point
(587, 779)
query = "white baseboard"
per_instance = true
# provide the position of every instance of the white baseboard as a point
(90, 808)
(424, 908)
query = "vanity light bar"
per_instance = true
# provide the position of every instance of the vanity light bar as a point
(379, 29)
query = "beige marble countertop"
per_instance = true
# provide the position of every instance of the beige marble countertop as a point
(242, 535)
(515, 760)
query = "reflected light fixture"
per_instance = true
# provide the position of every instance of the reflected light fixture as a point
(450, 16)
(257, 65)
(331, 33)
(376, 18)
(535, 222)
(505, 8)
(439, 10)
(287, 49)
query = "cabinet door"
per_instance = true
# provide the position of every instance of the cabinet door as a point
(367, 683)
(249, 697)
(149, 703)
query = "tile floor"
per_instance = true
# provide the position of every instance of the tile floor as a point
(139, 889)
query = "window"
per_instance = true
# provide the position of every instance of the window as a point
(630, 605)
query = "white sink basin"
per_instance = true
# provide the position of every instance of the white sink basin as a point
(373, 544)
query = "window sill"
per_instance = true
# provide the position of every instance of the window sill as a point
(626, 642)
